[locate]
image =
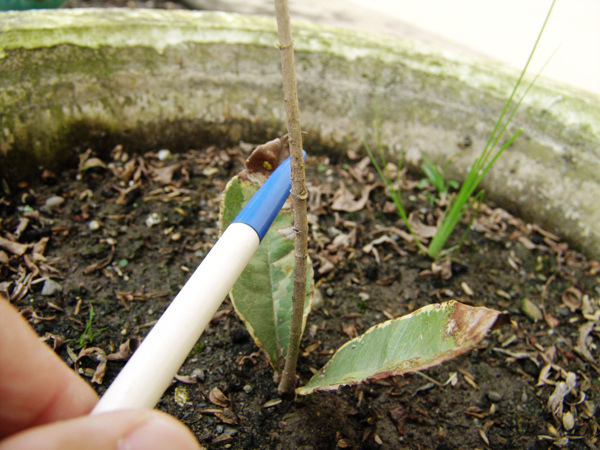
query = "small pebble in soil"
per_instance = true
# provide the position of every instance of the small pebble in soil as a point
(494, 396)
(164, 155)
(230, 431)
(152, 219)
(51, 287)
(52, 203)
(93, 225)
(248, 389)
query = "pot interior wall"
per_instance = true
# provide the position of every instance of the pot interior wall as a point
(77, 79)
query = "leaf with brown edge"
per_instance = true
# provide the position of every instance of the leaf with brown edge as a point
(417, 341)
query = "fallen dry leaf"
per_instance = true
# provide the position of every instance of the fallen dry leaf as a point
(197, 375)
(343, 199)
(562, 389)
(584, 341)
(227, 416)
(164, 175)
(124, 352)
(217, 397)
(56, 339)
(419, 228)
(100, 371)
(350, 330)
(13, 247)
(265, 158)
(571, 298)
(442, 269)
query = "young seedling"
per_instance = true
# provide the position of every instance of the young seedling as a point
(87, 336)
(262, 297)
(299, 194)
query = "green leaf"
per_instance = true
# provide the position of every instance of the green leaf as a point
(262, 295)
(427, 337)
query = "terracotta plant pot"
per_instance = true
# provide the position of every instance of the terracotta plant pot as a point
(149, 79)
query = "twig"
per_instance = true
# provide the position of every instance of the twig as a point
(298, 193)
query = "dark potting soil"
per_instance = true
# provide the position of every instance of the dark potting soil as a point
(116, 239)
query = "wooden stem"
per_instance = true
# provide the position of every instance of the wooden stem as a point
(287, 384)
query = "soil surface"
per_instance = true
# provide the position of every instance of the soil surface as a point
(98, 252)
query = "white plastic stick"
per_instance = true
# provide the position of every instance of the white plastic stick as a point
(148, 373)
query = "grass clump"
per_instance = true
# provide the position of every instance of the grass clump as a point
(464, 198)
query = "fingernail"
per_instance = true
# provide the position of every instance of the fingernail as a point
(159, 433)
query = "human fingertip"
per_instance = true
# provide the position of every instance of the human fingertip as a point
(159, 431)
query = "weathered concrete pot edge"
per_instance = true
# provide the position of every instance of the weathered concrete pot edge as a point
(150, 78)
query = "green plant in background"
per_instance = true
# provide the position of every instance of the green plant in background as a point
(381, 166)
(436, 178)
(464, 199)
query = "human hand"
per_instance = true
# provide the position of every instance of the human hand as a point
(44, 404)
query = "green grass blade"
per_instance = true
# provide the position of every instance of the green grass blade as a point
(384, 176)
(486, 160)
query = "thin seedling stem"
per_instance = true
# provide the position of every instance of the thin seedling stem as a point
(287, 384)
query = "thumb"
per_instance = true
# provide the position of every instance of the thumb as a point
(121, 430)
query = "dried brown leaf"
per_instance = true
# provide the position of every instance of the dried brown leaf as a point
(227, 416)
(217, 397)
(56, 339)
(15, 248)
(124, 352)
(326, 265)
(419, 228)
(571, 298)
(526, 242)
(91, 163)
(4, 258)
(562, 389)
(265, 158)
(343, 199)
(100, 356)
(370, 247)
(442, 269)
(40, 247)
(350, 330)
(584, 341)
(164, 175)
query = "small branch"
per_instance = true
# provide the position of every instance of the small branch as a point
(287, 384)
